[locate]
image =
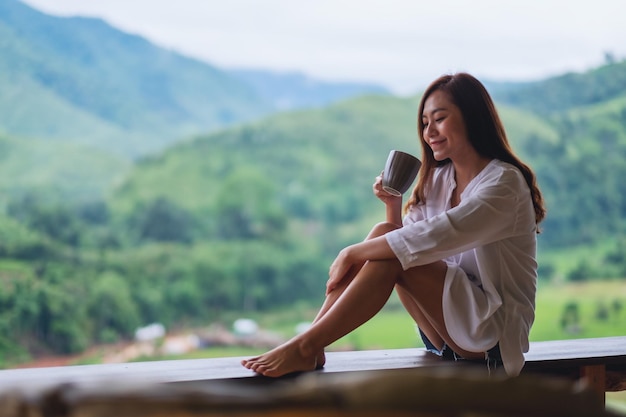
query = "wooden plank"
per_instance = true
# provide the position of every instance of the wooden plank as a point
(594, 377)
(213, 368)
(569, 355)
(601, 349)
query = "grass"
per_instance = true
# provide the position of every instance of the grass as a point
(392, 329)
(213, 352)
(565, 260)
(600, 306)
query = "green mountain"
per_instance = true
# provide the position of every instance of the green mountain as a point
(315, 161)
(311, 167)
(582, 167)
(294, 90)
(56, 171)
(571, 90)
(80, 79)
(319, 164)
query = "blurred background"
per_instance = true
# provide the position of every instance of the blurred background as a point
(176, 177)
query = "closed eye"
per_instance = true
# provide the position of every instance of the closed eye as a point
(425, 123)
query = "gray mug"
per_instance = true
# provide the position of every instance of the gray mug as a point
(400, 172)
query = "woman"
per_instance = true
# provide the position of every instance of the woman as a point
(463, 261)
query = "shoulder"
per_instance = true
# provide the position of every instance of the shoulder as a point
(501, 180)
(503, 173)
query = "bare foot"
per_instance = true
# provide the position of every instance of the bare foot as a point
(284, 359)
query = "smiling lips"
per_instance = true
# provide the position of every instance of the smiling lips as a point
(436, 142)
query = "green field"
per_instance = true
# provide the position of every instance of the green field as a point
(567, 311)
(563, 311)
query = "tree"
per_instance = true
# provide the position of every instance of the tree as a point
(112, 308)
(52, 219)
(247, 207)
(163, 221)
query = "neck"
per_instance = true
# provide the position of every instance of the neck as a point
(467, 169)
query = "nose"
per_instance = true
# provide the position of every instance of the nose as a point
(430, 131)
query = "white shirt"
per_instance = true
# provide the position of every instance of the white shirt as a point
(489, 243)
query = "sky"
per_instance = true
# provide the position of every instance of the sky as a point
(400, 44)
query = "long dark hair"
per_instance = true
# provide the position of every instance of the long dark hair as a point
(484, 129)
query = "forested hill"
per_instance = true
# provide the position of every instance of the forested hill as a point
(567, 91)
(293, 90)
(80, 79)
(319, 164)
(56, 171)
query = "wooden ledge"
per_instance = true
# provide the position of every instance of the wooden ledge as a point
(228, 368)
(599, 350)
(567, 357)
(360, 383)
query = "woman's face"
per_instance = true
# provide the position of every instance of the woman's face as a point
(444, 128)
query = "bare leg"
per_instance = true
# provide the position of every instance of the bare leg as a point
(422, 297)
(360, 297)
(378, 230)
(418, 316)
(361, 300)
(330, 300)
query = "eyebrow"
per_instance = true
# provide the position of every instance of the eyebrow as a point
(435, 111)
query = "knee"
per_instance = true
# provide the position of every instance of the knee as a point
(382, 228)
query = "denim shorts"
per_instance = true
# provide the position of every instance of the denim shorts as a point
(493, 358)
